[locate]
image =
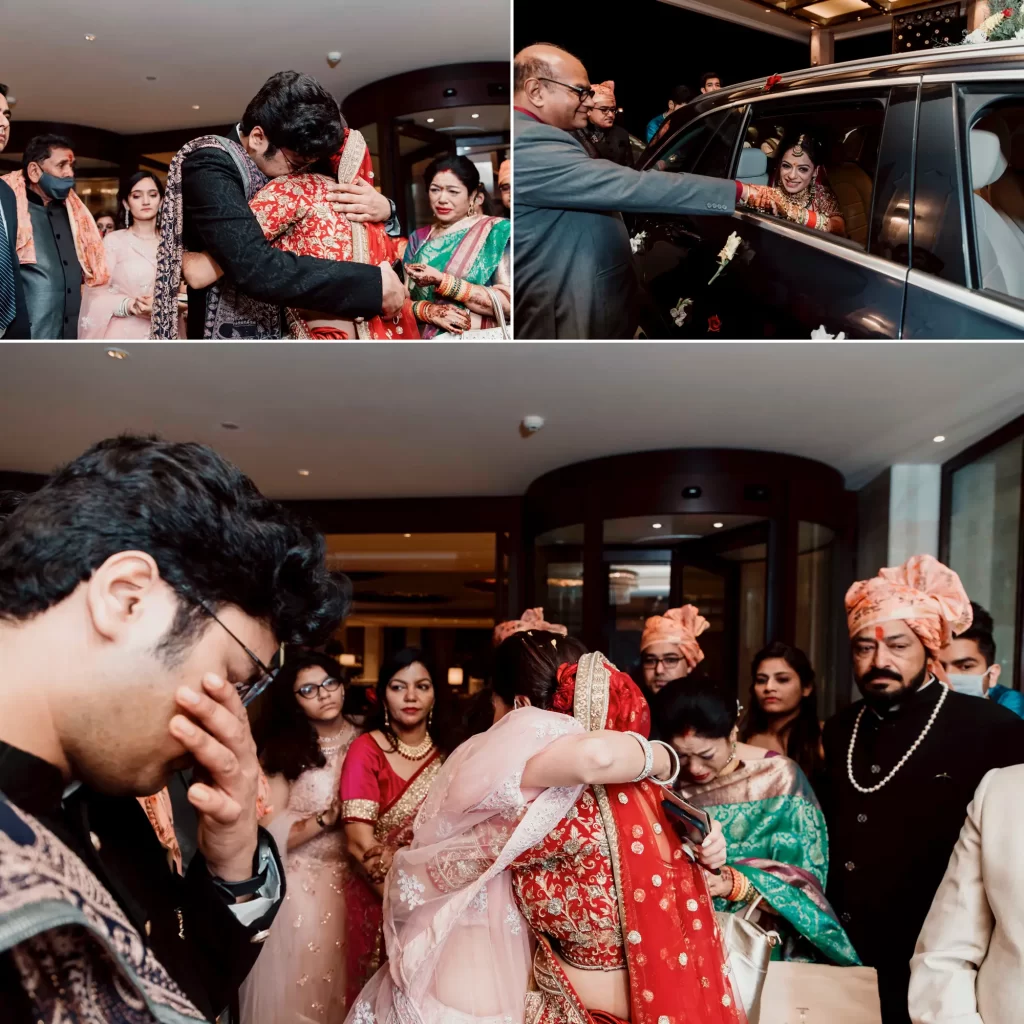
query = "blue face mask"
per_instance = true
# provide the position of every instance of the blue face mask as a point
(56, 188)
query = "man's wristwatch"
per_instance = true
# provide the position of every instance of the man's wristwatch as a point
(320, 819)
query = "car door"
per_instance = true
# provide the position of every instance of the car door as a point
(968, 234)
(786, 281)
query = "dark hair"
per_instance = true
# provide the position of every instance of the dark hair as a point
(526, 664)
(807, 142)
(526, 68)
(440, 726)
(121, 219)
(980, 632)
(701, 705)
(707, 76)
(295, 111)
(803, 734)
(462, 167)
(293, 745)
(214, 537)
(3, 90)
(681, 94)
(40, 148)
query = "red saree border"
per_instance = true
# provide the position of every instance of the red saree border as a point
(398, 815)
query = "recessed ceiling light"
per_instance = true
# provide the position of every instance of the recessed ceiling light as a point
(195, 106)
(117, 353)
(90, 38)
(229, 425)
(939, 438)
(150, 78)
(474, 115)
(655, 526)
(718, 526)
(406, 535)
(430, 120)
(303, 472)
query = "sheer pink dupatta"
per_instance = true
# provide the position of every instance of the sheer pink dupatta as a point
(459, 951)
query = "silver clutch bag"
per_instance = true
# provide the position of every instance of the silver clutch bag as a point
(749, 950)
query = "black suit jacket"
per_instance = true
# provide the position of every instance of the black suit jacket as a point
(217, 220)
(19, 328)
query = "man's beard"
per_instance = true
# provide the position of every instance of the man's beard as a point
(881, 701)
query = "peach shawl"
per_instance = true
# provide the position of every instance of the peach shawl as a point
(88, 240)
(679, 626)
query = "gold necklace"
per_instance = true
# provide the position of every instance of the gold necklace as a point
(415, 753)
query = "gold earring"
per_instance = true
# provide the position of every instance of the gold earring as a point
(387, 718)
(430, 716)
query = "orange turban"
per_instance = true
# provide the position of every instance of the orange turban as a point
(604, 93)
(505, 172)
(922, 592)
(533, 618)
(679, 626)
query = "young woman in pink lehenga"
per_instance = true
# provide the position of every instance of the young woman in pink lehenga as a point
(300, 976)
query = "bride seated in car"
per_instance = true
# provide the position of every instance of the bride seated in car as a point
(799, 189)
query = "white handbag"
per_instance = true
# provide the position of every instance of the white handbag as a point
(799, 993)
(499, 333)
(749, 949)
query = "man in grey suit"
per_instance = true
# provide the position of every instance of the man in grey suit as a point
(574, 273)
(13, 311)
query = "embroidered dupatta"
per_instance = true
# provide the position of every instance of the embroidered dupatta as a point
(777, 838)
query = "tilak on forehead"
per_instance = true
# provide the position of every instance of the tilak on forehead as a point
(922, 592)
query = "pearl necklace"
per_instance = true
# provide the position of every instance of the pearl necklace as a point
(415, 753)
(903, 760)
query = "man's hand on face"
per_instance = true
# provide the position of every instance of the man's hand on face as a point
(360, 202)
(214, 729)
(393, 291)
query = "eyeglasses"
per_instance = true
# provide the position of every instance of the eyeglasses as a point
(670, 661)
(248, 691)
(608, 110)
(307, 691)
(583, 92)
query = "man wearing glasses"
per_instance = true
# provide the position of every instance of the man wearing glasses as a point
(292, 123)
(144, 592)
(602, 137)
(574, 274)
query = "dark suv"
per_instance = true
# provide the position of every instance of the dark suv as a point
(925, 155)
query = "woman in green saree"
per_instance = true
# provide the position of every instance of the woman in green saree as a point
(778, 842)
(459, 266)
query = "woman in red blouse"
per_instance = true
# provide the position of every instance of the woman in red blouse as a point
(550, 824)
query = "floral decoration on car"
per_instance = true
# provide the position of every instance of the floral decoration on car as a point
(714, 325)
(636, 243)
(680, 311)
(772, 81)
(821, 334)
(732, 243)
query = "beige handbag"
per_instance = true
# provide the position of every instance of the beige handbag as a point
(799, 993)
(749, 949)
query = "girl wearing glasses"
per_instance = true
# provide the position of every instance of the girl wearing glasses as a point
(385, 779)
(302, 977)
(668, 646)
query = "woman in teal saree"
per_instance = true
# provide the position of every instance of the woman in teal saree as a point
(773, 823)
(459, 266)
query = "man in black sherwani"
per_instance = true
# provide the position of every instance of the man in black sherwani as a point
(903, 764)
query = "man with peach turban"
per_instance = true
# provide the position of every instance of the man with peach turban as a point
(602, 137)
(533, 618)
(668, 645)
(903, 764)
(505, 183)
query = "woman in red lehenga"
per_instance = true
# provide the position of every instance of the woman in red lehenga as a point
(295, 216)
(547, 831)
(385, 778)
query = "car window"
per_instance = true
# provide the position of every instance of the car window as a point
(993, 177)
(822, 155)
(704, 146)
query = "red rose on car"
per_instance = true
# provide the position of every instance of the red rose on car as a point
(714, 324)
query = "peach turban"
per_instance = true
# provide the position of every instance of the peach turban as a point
(533, 618)
(505, 172)
(922, 592)
(604, 93)
(679, 626)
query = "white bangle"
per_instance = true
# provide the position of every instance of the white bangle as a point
(122, 309)
(648, 756)
(673, 759)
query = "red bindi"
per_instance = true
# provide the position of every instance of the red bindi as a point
(879, 633)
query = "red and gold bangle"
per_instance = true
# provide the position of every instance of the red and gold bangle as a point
(812, 218)
(454, 288)
(739, 884)
(421, 310)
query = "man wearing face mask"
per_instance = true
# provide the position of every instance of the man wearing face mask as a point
(902, 765)
(59, 245)
(970, 662)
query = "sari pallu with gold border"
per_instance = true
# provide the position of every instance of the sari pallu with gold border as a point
(778, 839)
(674, 955)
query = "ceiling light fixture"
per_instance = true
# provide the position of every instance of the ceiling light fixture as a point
(117, 353)
(406, 535)
(655, 526)
(430, 120)
(718, 526)
(90, 38)
(195, 106)
(474, 116)
(939, 438)
(303, 472)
